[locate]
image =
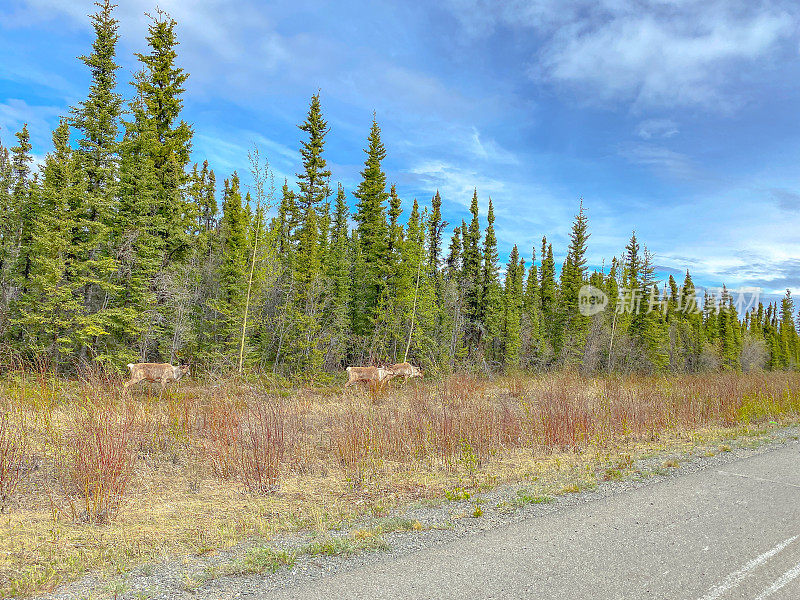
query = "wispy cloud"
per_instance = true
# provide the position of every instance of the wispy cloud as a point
(661, 160)
(490, 151)
(456, 183)
(649, 53)
(657, 128)
(14, 113)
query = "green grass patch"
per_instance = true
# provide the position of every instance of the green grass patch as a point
(527, 497)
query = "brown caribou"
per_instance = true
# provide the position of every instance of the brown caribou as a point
(374, 376)
(405, 370)
(161, 372)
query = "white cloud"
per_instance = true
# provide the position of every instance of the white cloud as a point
(456, 183)
(648, 52)
(662, 160)
(657, 63)
(490, 151)
(14, 113)
(524, 211)
(657, 128)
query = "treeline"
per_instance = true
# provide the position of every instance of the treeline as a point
(117, 250)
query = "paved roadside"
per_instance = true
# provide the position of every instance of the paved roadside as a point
(727, 532)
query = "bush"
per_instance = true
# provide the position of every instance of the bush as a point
(99, 459)
(13, 446)
(261, 445)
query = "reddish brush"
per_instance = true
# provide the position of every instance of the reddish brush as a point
(100, 459)
(261, 446)
(13, 446)
(220, 441)
(351, 441)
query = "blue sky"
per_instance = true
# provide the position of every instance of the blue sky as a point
(676, 118)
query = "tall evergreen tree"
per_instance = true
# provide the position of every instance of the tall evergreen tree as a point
(395, 238)
(491, 309)
(228, 306)
(159, 88)
(573, 325)
(787, 357)
(417, 294)
(471, 266)
(7, 229)
(435, 227)
(548, 292)
(49, 306)
(372, 235)
(339, 272)
(533, 341)
(513, 308)
(91, 263)
(25, 207)
(314, 186)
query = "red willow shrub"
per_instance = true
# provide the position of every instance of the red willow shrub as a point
(99, 458)
(462, 421)
(220, 427)
(261, 444)
(352, 435)
(13, 447)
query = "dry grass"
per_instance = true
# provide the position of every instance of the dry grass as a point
(123, 480)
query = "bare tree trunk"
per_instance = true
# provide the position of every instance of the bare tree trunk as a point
(259, 176)
(249, 286)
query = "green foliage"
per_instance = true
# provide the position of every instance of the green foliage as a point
(115, 249)
(573, 326)
(491, 308)
(513, 302)
(372, 236)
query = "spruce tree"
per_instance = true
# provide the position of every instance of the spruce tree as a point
(228, 306)
(50, 305)
(417, 294)
(491, 309)
(395, 238)
(159, 88)
(548, 293)
(452, 301)
(25, 206)
(471, 266)
(513, 308)
(314, 186)
(92, 261)
(286, 223)
(787, 335)
(453, 262)
(372, 235)
(435, 227)
(339, 274)
(533, 341)
(7, 230)
(135, 234)
(573, 326)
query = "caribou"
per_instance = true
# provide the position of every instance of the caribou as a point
(405, 370)
(371, 375)
(161, 372)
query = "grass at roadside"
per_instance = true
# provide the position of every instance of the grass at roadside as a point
(195, 486)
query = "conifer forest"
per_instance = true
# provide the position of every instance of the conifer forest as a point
(117, 248)
(185, 340)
